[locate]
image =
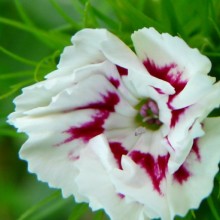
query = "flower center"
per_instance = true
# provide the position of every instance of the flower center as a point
(148, 115)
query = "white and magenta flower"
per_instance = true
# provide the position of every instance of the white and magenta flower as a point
(125, 132)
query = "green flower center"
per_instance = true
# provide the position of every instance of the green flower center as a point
(148, 115)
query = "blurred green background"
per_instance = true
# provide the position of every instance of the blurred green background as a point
(33, 34)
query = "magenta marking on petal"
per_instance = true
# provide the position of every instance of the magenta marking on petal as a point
(110, 100)
(121, 196)
(164, 73)
(175, 79)
(159, 72)
(168, 142)
(71, 156)
(89, 129)
(176, 115)
(114, 82)
(122, 71)
(118, 150)
(93, 127)
(181, 175)
(156, 168)
(160, 91)
(195, 148)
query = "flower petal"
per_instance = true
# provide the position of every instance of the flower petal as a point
(100, 192)
(85, 49)
(131, 179)
(202, 164)
(163, 57)
(164, 49)
(118, 53)
(39, 94)
(181, 135)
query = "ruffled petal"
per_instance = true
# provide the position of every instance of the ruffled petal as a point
(85, 49)
(118, 53)
(163, 58)
(100, 192)
(180, 138)
(40, 94)
(195, 178)
(164, 49)
(52, 162)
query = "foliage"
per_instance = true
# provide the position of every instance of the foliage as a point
(32, 36)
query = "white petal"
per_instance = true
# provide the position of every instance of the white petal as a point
(195, 89)
(39, 94)
(117, 52)
(181, 143)
(145, 183)
(181, 136)
(109, 70)
(94, 183)
(85, 49)
(136, 185)
(164, 49)
(202, 166)
(52, 162)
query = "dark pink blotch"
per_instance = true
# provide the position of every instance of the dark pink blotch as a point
(160, 91)
(114, 82)
(181, 175)
(175, 116)
(121, 196)
(93, 127)
(117, 150)
(108, 103)
(195, 148)
(164, 73)
(156, 168)
(89, 129)
(122, 71)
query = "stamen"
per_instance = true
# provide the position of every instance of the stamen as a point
(148, 116)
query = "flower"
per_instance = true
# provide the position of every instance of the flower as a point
(126, 133)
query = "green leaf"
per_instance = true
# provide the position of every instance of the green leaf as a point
(132, 17)
(78, 211)
(17, 57)
(22, 13)
(99, 215)
(110, 23)
(79, 6)
(213, 209)
(9, 133)
(46, 65)
(212, 54)
(15, 88)
(53, 41)
(63, 14)
(170, 17)
(6, 76)
(39, 205)
(89, 19)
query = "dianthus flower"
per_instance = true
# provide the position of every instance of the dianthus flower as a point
(125, 132)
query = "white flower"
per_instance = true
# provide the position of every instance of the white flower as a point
(124, 132)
